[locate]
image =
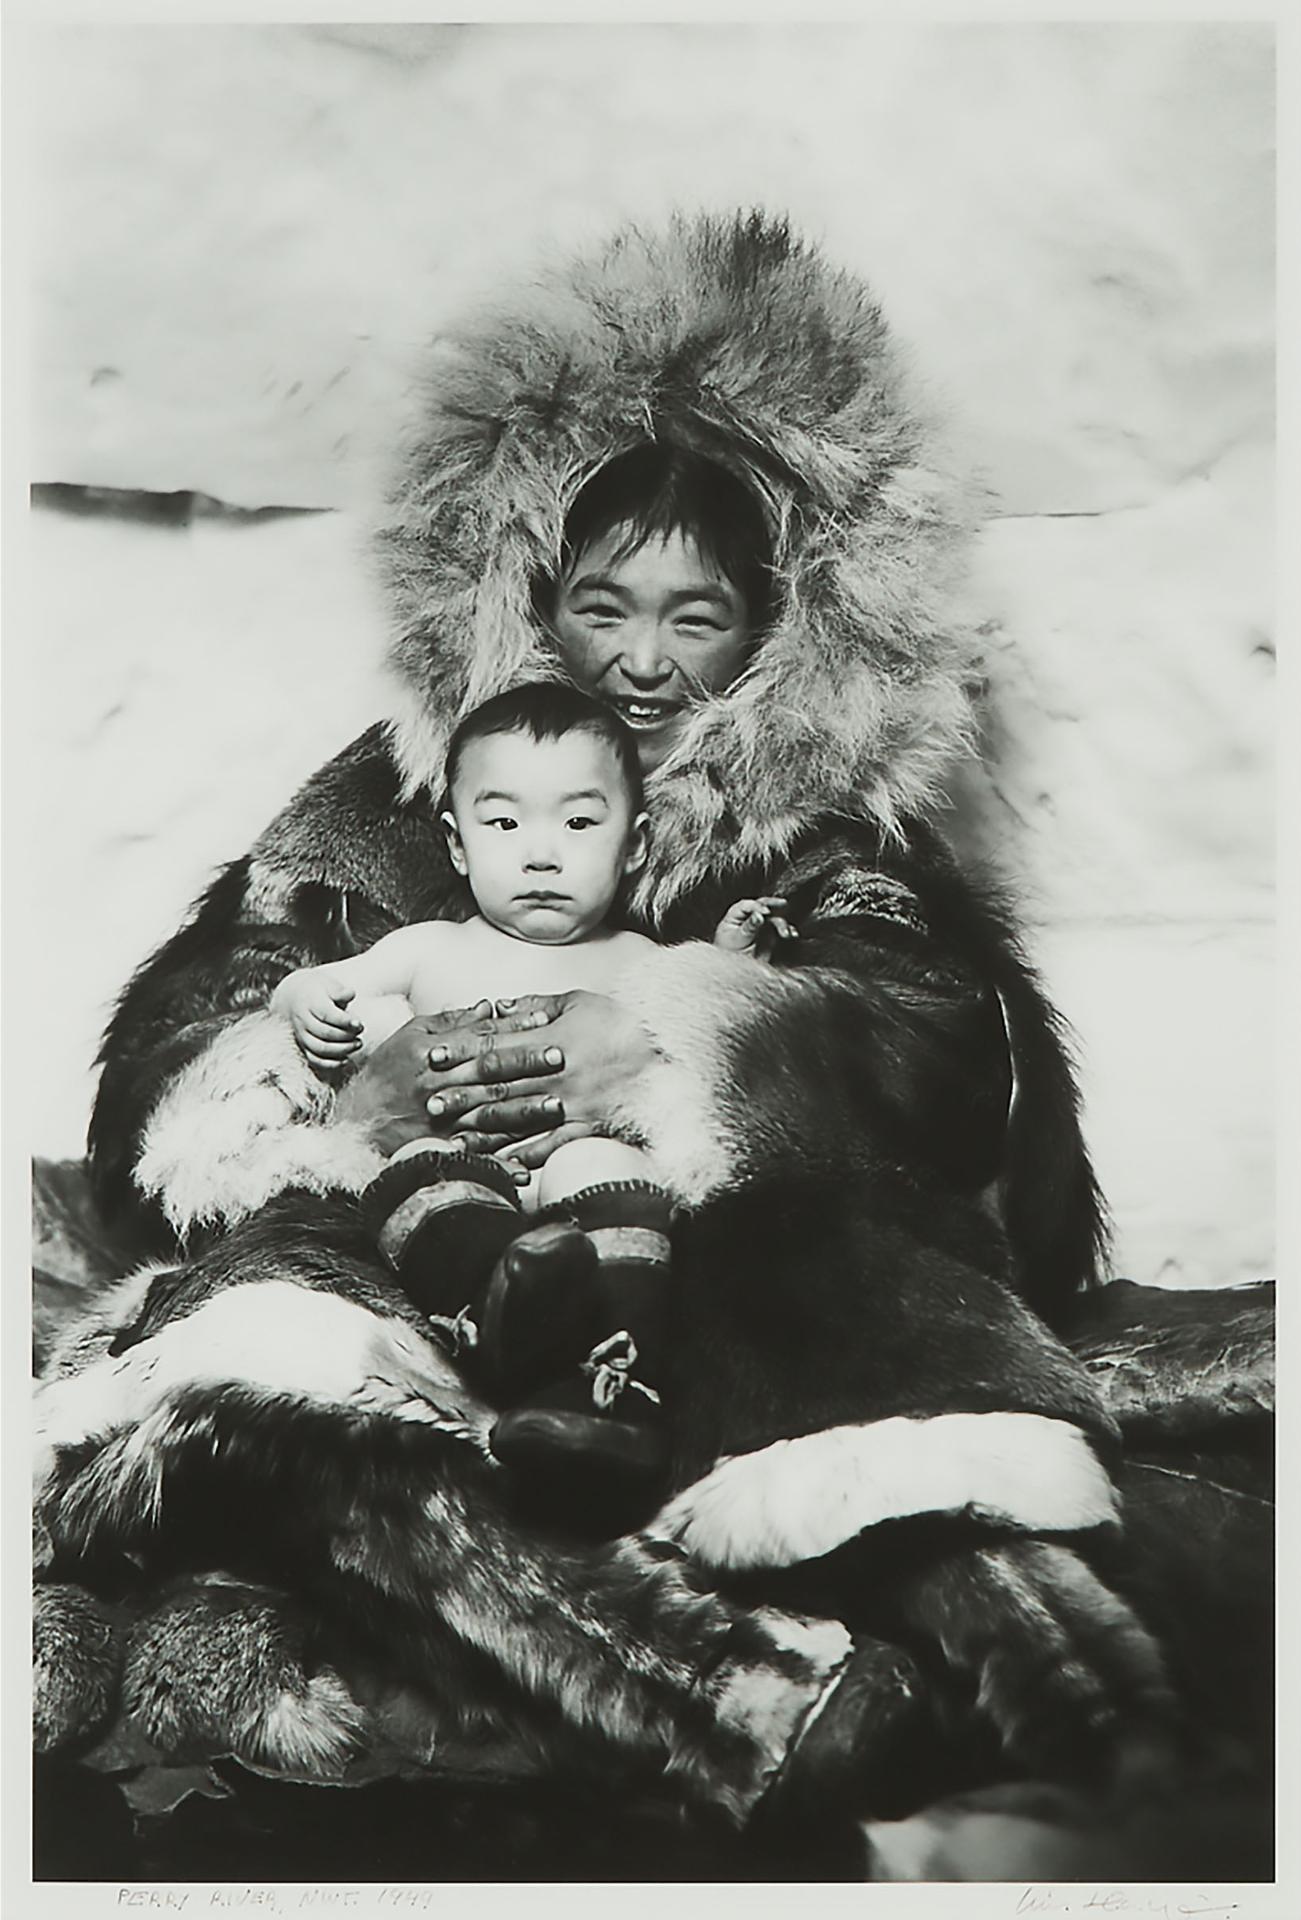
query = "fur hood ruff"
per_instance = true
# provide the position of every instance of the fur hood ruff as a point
(733, 338)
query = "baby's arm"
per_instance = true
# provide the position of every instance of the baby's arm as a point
(315, 1000)
(754, 926)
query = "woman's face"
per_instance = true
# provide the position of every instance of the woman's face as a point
(650, 633)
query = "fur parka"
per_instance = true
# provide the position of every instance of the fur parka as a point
(734, 339)
(907, 1060)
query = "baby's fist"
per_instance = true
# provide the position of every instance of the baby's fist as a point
(753, 926)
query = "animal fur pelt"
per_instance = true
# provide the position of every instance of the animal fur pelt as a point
(734, 338)
(843, 1337)
(275, 1408)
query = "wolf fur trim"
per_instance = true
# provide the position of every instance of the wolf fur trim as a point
(730, 337)
(401, 1524)
(690, 1002)
(221, 1668)
(269, 1338)
(766, 1704)
(799, 1499)
(242, 1122)
(90, 1335)
(76, 1664)
(248, 1118)
(1085, 1661)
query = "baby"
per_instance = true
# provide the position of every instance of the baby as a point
(545, 819)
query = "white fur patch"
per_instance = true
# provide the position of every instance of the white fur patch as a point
(768, 1709)
(798, 1499)
(243, 1121)
(272, 1336)
(688, 1000)
(269, 891)
(419, 732)
(311, 1733)
(117, 1306)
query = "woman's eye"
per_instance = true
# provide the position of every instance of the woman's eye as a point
(700, 623)
(600, 611)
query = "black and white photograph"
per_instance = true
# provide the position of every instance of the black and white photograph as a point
(641, 875)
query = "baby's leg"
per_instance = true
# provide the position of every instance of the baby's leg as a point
(589, 1163)
(604, 1419)
(611, 1191)
(519, 1308)
(579, 1164)
(441, 1221)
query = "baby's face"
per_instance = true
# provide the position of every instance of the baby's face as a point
(544, 831)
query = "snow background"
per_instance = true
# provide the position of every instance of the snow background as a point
(242, 235)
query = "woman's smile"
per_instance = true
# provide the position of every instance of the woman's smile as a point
(650, 632)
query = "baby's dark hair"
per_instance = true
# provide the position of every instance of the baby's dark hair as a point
(658, 489)
(547, 710)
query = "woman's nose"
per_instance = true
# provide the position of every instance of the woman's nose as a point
(646, 658)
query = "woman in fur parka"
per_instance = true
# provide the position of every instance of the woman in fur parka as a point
(886, 1117)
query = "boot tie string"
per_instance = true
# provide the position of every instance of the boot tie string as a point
(609, 1367)
(459, 1331)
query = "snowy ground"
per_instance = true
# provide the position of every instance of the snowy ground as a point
(242, 234)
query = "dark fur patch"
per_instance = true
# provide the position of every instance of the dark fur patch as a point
(851, 1296)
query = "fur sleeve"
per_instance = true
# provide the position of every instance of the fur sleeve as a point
(908, 1026)
(761, 1065)
(969, 1066)
(204, 1109)
(246, 1119)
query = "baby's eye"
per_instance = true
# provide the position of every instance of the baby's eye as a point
(503, 823)
(580, 821)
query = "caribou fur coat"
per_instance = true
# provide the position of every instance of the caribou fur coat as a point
(279, 1505)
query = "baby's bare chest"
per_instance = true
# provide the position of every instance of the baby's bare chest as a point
(469, 970)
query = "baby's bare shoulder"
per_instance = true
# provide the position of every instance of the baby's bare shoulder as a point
(422, 936)
(627, 946)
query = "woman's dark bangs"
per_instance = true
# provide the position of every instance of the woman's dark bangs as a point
(657, 491)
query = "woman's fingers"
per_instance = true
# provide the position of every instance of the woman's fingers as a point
(486, 1143)
(533, 1009)
(517, 1064)
(463, 1046)
(490, 1066)
(539, 1147)
(516, 1116)
(455, 1102)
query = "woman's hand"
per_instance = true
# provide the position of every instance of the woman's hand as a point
(388, 1096)
(522, 1158)
(568, 1077)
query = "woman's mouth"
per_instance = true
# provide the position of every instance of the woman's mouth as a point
(645, 716)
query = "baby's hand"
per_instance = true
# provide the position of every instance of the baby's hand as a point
(314, 1000)
(754, 926)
